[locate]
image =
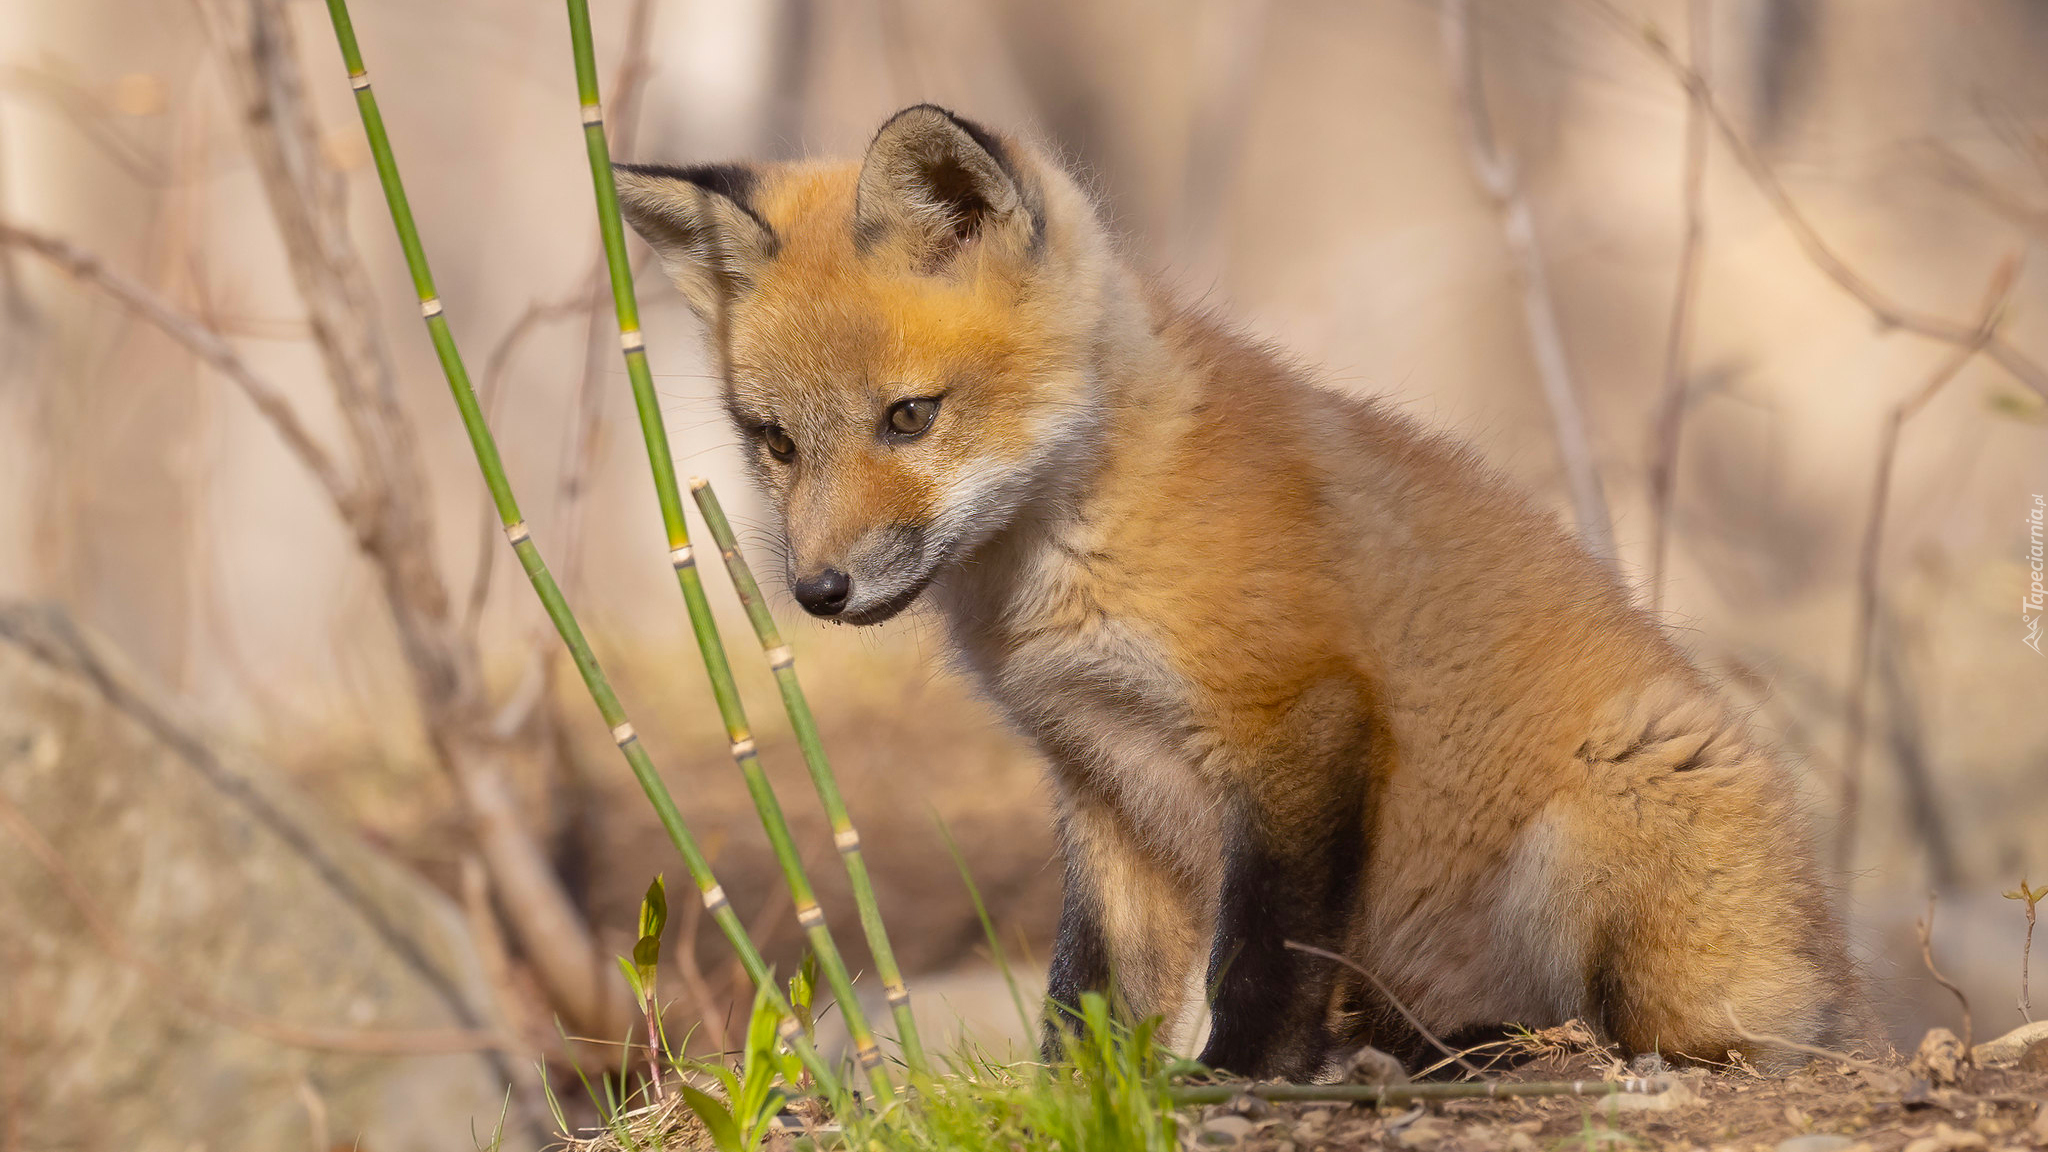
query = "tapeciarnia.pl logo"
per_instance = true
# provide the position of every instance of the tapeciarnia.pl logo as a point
(2036, 602)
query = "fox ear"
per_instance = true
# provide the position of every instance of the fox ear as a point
(702, 223)
(936, 182)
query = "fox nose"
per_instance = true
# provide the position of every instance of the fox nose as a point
(823, 593)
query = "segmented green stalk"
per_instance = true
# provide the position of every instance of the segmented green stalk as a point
(843, 835)
(655, 433)
(544, 585)
(1408, 1093)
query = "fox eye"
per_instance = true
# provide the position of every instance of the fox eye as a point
(779, 444)
(909, 418)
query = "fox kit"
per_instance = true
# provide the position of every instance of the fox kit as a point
(1303, 672)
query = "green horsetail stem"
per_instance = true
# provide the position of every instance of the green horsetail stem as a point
(1409, 1093)
(843, 834)
(723, 689)
(536, 570)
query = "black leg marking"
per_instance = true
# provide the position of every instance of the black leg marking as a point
(1271, 1001)
(1080, 962)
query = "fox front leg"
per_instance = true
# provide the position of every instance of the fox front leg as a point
(1294, 851)
(1127, 925)
(1269, 1013)
(1080, 964)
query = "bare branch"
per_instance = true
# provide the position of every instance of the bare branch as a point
(306, 199)
(1413, 1021)
(1671, 407)
(1996, 196)
(1770, 1041)
(490, 390)
(1497, 175)
(202, 342)
(600, 335)
(1926, 929)
(589, 299)
(1887, 312)
(1856, 735)
(709, 1015)
(92, 117)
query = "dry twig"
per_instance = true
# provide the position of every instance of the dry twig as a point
(710, 1016)
(490, 390)
(202, 342)
(1497, 175)
(393, 519)
(2032, 897)
(1856, 735)
(1789, 1045)
(1926, 930)
(586, 433)
(1388, 993)
(1670, 418)
(2000, 199)
(1887, 312)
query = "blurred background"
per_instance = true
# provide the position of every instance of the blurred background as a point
(308, 834)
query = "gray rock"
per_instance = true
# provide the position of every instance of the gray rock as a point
(224, 884)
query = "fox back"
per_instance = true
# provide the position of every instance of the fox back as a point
(1339, 726)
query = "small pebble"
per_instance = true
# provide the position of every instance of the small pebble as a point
(1817, 1142)
(1947, 1139)
(1225, 1130)
(1940, 1057)
(1648, 1064)
(1427, 1132)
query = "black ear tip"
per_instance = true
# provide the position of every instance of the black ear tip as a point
(735, 182)
(928, 112)
(921, 111)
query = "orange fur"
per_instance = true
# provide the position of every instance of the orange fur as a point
(1237, 609)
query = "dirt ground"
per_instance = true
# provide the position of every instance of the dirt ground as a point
(1829, 1106)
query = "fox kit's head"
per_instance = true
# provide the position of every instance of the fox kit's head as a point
(909, 344)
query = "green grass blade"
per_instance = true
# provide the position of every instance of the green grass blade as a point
(806, 727)
(530, 561)
(653, 430)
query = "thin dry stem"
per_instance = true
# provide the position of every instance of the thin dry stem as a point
(2033, 898)
(204, 343)
(650, 1012)
(2026, 959)
(1869, 560)
(494, 961)
(1388, 993)
(1497, 175)
(95, 121)
(1887, 312)
(586, 434)
(316, 1115)
(2000, 199)
(394, 527)
(1671, 406)
(1926, 930)
(1789, 1045)
(710, 1016)
(115, 947)
(489, 391)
